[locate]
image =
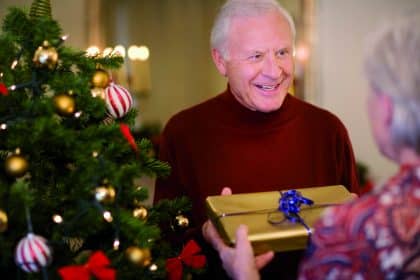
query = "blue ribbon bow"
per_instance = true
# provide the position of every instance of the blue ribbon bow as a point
(290, 202)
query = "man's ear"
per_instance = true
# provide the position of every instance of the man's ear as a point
(219, 61)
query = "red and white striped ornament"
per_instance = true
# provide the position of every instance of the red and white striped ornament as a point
(32, 253)
(118, 100)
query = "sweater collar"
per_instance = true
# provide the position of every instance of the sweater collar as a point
(237, 113)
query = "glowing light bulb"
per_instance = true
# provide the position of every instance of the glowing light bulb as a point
(92, 51)
(116, 244)
(119, 50)
(143, 53)
(107, 51)
(14, 63)
(107, 216)
(57, 219)
(153, 267)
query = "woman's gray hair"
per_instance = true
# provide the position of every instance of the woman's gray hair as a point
(392, 63)
(239, 8)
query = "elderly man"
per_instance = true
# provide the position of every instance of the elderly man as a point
(254, 136)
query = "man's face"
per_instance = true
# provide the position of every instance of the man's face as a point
(259, 65)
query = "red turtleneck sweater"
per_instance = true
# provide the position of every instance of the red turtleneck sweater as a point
(221, 143)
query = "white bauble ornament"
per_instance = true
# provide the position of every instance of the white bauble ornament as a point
(118, 100)
(32, 253)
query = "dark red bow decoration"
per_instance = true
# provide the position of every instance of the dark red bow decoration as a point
(3, 89)
(97, 266)
(125, 130)
(189, 257)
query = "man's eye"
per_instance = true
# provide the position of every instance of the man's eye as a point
(282, 52)
(256, 56)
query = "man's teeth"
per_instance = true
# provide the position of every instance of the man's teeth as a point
(266, 87)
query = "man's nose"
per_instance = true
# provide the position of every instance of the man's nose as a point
(272, 67)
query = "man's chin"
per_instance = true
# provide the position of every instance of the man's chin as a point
(268, 108)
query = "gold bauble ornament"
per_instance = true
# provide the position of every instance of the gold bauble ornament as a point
(105, 194)
(3, 221)
(45, 56)
(100, 78)
(139, 256)
(16, 165)
(140, 213)
(64, 104)
(182, 221)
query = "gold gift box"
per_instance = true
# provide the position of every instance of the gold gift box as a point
(252, 209)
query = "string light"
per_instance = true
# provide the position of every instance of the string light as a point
(119, 50)
(153, 267)
(92, 51)
(1, 74)
(3, 126)
(14, 63)
(107, 51)
(13, 87)
(107, 216)
(78, 114)
(116, 244)
(64, 37)
(95, 154)
(57, 219)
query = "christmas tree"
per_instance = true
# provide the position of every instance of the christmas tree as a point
(68, 206)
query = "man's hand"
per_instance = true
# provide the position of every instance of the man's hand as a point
(239, 262)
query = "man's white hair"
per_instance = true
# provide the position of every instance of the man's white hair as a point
(241, 8)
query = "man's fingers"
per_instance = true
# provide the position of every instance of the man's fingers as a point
(226, 191)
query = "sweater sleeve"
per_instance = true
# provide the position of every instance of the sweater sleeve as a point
(168, 187)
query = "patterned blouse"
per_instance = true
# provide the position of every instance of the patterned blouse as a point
(374, 237)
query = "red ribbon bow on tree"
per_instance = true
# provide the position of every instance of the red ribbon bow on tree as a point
(125, 130)
(3, 89)
(96, 266)
(189, 257)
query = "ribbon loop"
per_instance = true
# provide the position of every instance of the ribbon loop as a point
(290, 202)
